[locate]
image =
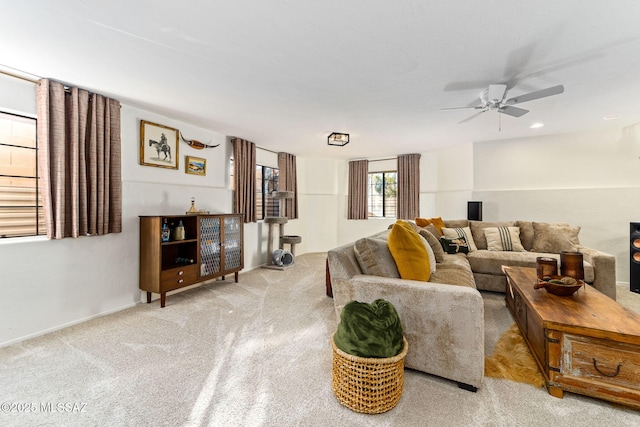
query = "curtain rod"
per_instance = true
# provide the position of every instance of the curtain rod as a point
(384, 160)
(375, 160)
(26, 79)
(271, 151)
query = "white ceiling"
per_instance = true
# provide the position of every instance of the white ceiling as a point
(286, 73)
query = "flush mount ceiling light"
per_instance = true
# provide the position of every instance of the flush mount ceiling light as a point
(339, 139)
(536, 125)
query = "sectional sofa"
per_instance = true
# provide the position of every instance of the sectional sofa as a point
(443, 318)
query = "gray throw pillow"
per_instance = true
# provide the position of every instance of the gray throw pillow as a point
(434, 242)
(374, 257)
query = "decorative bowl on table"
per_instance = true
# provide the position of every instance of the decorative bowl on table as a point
(559, 285)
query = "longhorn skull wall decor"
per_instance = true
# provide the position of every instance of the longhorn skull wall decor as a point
(197, 144)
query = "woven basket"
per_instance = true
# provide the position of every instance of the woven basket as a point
(366, 384)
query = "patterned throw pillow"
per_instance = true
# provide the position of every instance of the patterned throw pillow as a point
(455, 245)
(453, 233)
(503, 239)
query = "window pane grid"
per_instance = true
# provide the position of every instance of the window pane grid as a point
(382, 190)
(266, 183)
(20, 200)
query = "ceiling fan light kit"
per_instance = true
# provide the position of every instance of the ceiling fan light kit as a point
(493, 99)
(338, 139)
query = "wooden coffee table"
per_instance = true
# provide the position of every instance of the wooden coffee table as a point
(585, 343)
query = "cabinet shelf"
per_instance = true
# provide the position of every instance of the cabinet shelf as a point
(214, 243)
(178, 242)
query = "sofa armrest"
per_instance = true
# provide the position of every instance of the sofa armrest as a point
(604, 270)
(443, 324)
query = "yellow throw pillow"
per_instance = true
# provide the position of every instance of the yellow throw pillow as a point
(409, 252)
(437, 222)
(422, 222)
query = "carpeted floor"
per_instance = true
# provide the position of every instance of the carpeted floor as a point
(255, 353)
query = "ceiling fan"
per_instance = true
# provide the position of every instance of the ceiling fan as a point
(493, 99)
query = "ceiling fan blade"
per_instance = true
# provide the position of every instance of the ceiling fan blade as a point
(471, 117)
(477, 107)
(512, 111)
(497, 92)
(555, 90)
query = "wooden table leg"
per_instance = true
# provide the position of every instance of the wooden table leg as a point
(555, 392)
(148, 297)
(236, 274)
(163, 299)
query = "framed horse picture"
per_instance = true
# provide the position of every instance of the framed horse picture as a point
(158, 145)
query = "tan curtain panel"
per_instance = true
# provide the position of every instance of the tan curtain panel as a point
(357, 197)
(408, 186)
(244, 160)
(288, 182)
(79, 161)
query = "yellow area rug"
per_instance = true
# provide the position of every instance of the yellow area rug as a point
(512, 360)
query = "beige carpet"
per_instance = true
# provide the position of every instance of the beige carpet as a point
(255, 353)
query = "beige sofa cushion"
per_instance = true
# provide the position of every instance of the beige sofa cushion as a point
(454, 270)
(477, 230)
(491, 262)
(554, 238)
(374, 257)
(526, 232)
(453, 276)
(456, 223)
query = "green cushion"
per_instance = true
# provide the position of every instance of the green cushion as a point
(369, 330)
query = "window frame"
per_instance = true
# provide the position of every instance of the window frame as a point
(370, 194)
(38, 223)
(265, 202)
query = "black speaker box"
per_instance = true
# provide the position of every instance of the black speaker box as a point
(634, 258)
(474, 211)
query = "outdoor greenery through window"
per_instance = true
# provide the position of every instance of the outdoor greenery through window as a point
(266, 184)
(20, 200)
(383, 190)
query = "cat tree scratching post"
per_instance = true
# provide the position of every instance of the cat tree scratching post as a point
(280, 221)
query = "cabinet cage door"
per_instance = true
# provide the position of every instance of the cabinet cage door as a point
(232, 243)
(209, 245)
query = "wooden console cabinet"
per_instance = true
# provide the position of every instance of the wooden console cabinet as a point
(213, 247)
(585, 343)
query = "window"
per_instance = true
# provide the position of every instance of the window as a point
(382, 191)
(266, 184)
(20, 199)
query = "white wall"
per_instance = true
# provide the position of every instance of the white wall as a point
(446, 182)
(588, 179)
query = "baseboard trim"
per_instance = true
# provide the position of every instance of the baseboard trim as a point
(64, 325)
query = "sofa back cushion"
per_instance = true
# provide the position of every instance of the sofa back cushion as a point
(554, 238)
(456, 223)
(477, 230)
(527, 234)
